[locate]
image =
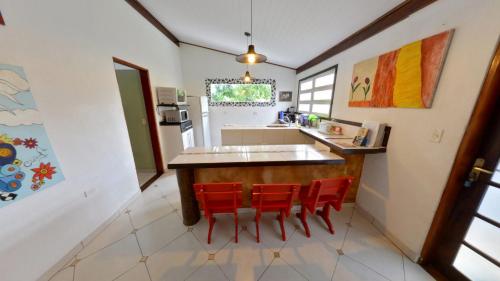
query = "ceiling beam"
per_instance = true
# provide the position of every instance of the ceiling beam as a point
(153, 20)
(228, 53)
(399, 13)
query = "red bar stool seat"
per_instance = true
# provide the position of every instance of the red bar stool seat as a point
(219, 198)
(323, 193)
(274, 198)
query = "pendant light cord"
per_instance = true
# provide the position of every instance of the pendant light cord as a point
(251, 22)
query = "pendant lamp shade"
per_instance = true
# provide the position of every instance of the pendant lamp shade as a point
(247, 78)
(251, 57)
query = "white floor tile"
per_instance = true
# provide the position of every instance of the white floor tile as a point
(244, 261)
(137, 273)
(177, 260)
(174, 198)
(208, 272)
(319, 229)
(270, 232)
(144, 211)
(167, 183)
(222, 233)
(110, 262)
(310, 256)
(175, 254)
(64, 275)
(414, 272)
(350, 270)
(117, 230)
(159, 233)
(280, 271)
(143, 177)
(367, 245)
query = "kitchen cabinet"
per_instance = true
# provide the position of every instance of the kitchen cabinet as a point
(263, 136)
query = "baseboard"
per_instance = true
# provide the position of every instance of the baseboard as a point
(68, 258)
(412, 255)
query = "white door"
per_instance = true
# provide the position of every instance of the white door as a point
(205, 126)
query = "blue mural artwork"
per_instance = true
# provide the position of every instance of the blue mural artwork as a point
(27, 162)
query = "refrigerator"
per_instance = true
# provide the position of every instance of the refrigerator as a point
(198, 112)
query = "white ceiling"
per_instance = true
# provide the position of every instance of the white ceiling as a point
(288, 32)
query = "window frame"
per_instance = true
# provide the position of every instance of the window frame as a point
(271, 102)
(329, 69)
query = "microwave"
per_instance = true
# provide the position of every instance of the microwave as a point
(175, 116)
(170, 95)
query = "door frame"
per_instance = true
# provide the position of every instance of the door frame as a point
(464, 160)
(150, 112)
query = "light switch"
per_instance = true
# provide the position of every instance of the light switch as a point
(437, 135)
(144, 121)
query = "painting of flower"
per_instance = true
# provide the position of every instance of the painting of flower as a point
(43, 171)
(406, 77)
(30, 143)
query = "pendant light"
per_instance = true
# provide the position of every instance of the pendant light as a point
(247, 78)
(251, 57)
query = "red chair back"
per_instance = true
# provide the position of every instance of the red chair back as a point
(274, 197)
(328, 191)
(218, 197)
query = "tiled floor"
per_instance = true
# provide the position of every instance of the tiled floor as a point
(148, 242)
(144, 176)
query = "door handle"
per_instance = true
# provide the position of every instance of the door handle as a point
(476, 171)
(481, 170)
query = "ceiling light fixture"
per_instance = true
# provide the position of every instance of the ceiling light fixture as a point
(251, 57)
(247, 78)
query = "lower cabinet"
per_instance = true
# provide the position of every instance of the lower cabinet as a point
(264, 136)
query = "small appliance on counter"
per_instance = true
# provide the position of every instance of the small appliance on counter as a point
(290, 113)
(173, 114)
(171, 96)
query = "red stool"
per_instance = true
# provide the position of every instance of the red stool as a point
(219, 198)
(274, 198)
(324, 193)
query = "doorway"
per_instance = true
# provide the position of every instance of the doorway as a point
(137, 101)
(462, 243)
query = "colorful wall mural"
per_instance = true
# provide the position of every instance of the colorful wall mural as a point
(27, 162)
(406, 77)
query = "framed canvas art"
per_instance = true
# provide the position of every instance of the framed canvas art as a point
(406, 77)
(27, 162)
(285, 96)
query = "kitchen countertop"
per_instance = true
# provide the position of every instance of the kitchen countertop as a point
(257, 127)
(341, 143)
(338, 143)
(255, 155)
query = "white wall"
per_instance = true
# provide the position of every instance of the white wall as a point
(199, 64)
(66, 49)
(402, 188)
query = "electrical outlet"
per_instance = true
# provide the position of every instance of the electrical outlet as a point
(437, 135)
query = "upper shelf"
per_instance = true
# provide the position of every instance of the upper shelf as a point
(340, 145)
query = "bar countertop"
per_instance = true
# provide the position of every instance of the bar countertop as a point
(254, 155)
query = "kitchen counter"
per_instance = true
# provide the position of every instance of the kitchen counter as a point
(256, 135)
(340, 143)
(255, 155)
(256, 164)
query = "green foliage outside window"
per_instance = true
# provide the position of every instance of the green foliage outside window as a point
(241, 92)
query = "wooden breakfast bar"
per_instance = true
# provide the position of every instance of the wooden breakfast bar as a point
(256, 164)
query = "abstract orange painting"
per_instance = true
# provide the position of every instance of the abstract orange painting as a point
(406, 77)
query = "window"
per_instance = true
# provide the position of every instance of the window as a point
(234, 92)
(316, 93)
